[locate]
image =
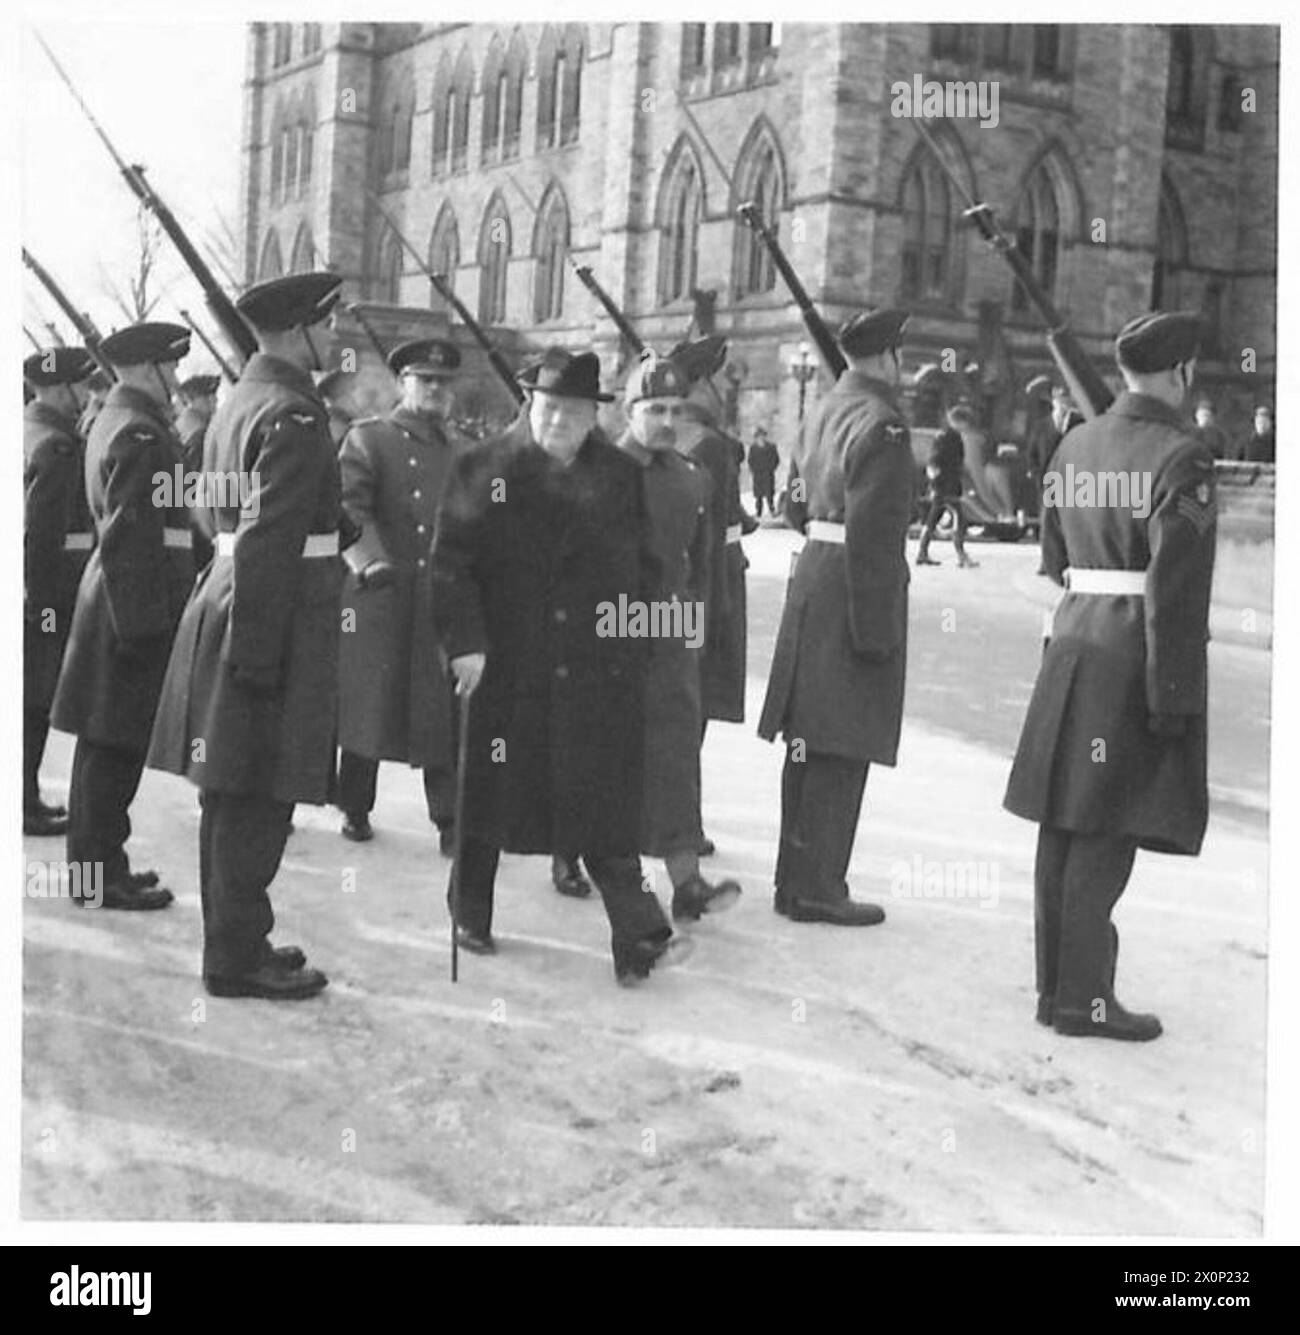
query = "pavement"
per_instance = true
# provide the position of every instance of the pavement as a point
(787, 1076)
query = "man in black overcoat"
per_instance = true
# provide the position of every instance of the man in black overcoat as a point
(541, 533)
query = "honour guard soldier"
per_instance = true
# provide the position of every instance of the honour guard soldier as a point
(198, 398)
(679, 498)
(1124, 671)
(249, 704)
(836, 686)
(538, 530)
(394, 695)
(57, 538)
(700, 438)
(130, 600)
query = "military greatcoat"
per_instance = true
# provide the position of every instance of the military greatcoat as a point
(57, 539)
(136, 581)
(264, 603)
(395, 698)
(1087, 761)
(841, 652)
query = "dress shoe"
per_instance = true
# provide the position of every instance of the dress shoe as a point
(143, 880)
(839, 912)
(286, 957)
(271, 981)
(707, 847)
(45, 822)
(696, 897)
(568, 879)
(477, 943)
(1046, 1009)
(634, 960)
(446, 840)
(1128, 1026)
(357, 828)
(128, 896)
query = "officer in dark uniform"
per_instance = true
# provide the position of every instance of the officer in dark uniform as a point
(198, 400)
(57, 538)
(249, 705)
(836, 686)
(395, 700)
(1125, 669)
(129, 602)
(538, 529)
(679, 496)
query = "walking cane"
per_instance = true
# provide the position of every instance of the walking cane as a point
(462, 753)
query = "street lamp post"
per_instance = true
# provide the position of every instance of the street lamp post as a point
(802, 368)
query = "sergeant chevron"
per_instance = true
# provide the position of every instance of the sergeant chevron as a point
(208, 490)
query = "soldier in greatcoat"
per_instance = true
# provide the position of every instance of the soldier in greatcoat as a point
(249, 705)
(57, 539)
(836, 686)
(128, 605)
(1112, 756)
(395, 699)
(679, 498)
(541, 532)
(198, 400)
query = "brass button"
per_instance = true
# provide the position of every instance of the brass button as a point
(561, 615)
(562, 672)
(421, 563)
(415, 495)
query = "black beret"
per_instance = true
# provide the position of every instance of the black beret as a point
(655, 377)
(566, 375)
(154, 342)
(429, 356)
(200, 384)
(58, 366)
(291, 302)
(700, 359)
(872, 332)
(1158, 341)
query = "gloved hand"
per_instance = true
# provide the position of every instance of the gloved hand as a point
(468, 670)
(378, 575)
(1167, 725)
(256, 680)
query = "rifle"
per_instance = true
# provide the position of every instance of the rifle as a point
(630, 337)
(32, 339)
(230, 320)
(226, 369)
(81, 322)
(749, 215)
(368, 329)
(444, 290)
(1086, 386)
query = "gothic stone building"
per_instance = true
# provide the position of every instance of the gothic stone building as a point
(1134, 165)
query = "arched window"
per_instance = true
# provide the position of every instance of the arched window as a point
(551, 245)
(694, 48)
(388, 279)
(403, 114)
(681, 207)
(1171, 250)
(1180, 92)
(444, 107)
(726, 44)
(282, 44)
(494, 97)
(494, 259)
(290, 137)
(310, 38)
(277, 165)
(303, 257)
(559, 85)
(462, 91)
(513, 109)
(270, 265)
(1038, 238)
(306, 146)
(760, 181)
(927, 251)
(444, 251)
